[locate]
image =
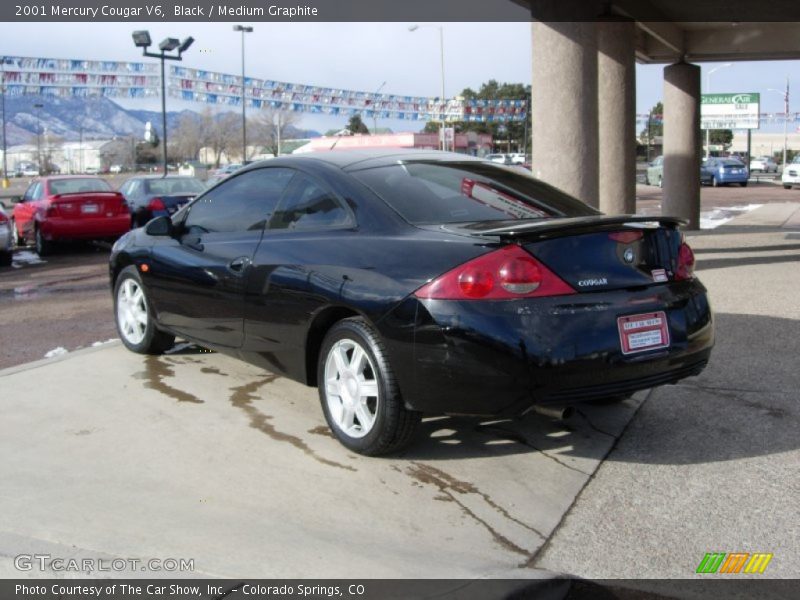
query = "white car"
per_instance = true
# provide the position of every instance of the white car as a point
(115, 169)
(503, 159)
(6, 238)
(791, 175)
(518, 158)
(764, 164)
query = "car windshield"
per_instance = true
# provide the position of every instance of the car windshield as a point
(79, 185)
(438, 192)
(174, 185)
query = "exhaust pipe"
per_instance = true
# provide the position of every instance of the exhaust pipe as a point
(561, 413)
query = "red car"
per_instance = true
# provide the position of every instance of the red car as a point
(56, 209)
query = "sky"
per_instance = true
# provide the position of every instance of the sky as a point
(362, 56)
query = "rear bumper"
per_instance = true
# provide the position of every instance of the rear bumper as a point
(55, 229)
(737, 178)
(491, 358)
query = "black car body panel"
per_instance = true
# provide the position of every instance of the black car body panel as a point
(267, 294)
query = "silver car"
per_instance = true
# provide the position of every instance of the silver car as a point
(764, 164)
(6, 243)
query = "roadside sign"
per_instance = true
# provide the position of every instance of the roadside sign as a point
(730, 111)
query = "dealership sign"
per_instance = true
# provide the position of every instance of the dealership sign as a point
(729, 111)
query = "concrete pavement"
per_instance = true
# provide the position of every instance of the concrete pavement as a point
(194, 455)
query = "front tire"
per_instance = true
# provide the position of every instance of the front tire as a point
(714, 182)
(359, 393)
(133, 316)
(743, 184)
(787, 186)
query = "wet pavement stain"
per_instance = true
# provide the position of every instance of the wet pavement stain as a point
(213, 371)
(449, 490)
(243, 397)
(154, 374)
(322, 430)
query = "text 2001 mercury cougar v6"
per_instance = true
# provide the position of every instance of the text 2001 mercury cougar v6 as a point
(403, 283)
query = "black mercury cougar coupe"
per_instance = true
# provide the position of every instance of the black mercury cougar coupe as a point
(402, 283)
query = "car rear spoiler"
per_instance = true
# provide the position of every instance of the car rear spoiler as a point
(570, 225)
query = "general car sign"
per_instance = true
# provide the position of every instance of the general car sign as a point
(729, 111)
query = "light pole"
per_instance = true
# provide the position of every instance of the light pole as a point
(244, 30)
(38, 106)
(708, 91)
(785, 95)
(5, 147)
(141, 39)
(441, 52)
(375, 112)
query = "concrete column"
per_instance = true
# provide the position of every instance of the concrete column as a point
(616, 104)
(564, 107)
(682, 143)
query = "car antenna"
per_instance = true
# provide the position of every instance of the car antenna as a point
(339, 135)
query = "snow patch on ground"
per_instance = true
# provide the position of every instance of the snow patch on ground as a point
(56, 352)
(719, 216)
(26, 257)
(96, 344)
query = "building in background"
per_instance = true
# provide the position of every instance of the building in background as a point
(475, 144)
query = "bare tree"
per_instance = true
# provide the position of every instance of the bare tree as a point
(271, 125)
(223, 131)
(189, 136)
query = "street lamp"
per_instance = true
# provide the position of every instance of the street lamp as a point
(5, 148)
(708, 91)
(141, 39)
(441, 51)
(785, 95)
(244, 30)
(375, 112)
(38, 106)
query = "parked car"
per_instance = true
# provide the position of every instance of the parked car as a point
(765, 164)
(227, 170)
(518, 158)
(504, 159)
(655, 172)
(30, 171)
(6, 239)
(155, 196)
(116, 169)
(722, 171)
(91, 171)
(403, 282)
(56, 209)
(791, 175)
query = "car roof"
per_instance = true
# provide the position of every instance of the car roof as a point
(358, 159)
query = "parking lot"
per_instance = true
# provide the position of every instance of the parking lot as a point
(195, 455)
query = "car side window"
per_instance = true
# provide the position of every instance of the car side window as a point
(28, 196)
(244, 202)
(307, 205)
(35, 191)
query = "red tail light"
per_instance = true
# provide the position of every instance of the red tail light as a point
(685, 268)
(504, 274)
(156, 204)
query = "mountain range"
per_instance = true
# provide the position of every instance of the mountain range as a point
(92, 118)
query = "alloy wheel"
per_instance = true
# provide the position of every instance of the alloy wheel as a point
(351, 388)
(132, 311)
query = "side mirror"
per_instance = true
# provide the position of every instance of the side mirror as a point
(160, 226)
(16, 199)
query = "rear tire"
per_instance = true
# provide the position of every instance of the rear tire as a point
(358, 391)
(743, 184)
(43, 246)
(6, 258)
(133, 316)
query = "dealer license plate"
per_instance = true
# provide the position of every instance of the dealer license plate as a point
(647, 331)
(90, 208)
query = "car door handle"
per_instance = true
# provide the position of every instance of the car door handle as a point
(238, 264)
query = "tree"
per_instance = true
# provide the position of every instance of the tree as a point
(271, 126)
(513, 131)
(188, 137)
(356, 125)
(721, 137)
(223, 132)
(654, 126)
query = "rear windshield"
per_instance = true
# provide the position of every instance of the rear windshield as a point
(731, 163)
(77, 186)
(434, 192)
(176, 185)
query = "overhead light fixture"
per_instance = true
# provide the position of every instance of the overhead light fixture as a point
(243, 28)
(185, 44)
(169, 44)
(142, 39)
